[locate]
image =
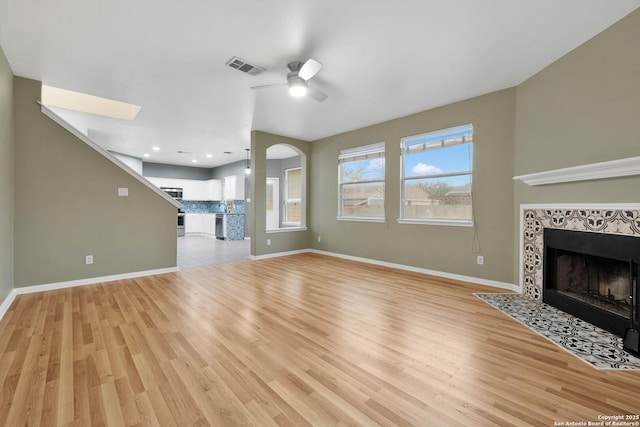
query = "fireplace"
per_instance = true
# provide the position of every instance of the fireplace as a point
(592, 276)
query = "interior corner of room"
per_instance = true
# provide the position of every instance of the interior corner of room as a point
(515, 130)
(548, 201)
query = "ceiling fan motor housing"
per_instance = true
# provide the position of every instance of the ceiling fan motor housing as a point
(297, 80)
(294, 80)
(294, 66)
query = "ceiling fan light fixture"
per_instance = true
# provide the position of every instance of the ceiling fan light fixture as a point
(297, 90)
(298, 78)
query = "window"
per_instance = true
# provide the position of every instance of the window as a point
(285, 207)
(361, 181)
(293, 196)
(436, 177)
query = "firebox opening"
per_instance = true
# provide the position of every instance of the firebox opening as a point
(602, 282)
(592, 276)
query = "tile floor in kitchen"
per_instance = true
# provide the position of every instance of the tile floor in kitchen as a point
(198, 251)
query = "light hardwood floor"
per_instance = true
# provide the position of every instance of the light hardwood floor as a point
(293, 341)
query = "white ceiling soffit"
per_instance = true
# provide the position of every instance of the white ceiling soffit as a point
(380, 60)
(76, 101)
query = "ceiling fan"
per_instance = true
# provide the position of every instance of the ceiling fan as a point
(299, 75)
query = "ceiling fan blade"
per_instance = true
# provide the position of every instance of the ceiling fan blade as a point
(266, 86)
(309, 69)
(316, 93)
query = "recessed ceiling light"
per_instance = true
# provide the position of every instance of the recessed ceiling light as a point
(209, 156)
(156, 148)
(146, 155)
(194, 160)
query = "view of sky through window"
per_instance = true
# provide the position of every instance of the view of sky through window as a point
(440, 162)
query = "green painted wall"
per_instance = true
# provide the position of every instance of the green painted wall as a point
(435, 247)
(6, 177)
(280, 241)
(66, 206)
(582, 109)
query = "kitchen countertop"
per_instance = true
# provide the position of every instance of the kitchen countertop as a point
(214, 213)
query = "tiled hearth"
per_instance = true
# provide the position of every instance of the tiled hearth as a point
(611, 219)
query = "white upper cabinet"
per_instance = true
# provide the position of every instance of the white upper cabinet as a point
(193, 189)
(234, 187)
(213, 189)
(160, 182)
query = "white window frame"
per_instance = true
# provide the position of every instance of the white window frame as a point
(435, 145)
(288, 200)
(365, 152)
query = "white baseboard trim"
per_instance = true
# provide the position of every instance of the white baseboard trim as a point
(82, 282)
(7, 302)
(474, 280)
(277, 254)
(92, 281)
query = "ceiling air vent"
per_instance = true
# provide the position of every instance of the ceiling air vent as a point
(244, 66)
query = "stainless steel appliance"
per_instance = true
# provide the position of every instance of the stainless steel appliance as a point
(181, 221)
(220, 226)
(174, 192)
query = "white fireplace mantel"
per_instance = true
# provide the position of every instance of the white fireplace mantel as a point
(610, 169)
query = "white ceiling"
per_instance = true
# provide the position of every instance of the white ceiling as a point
(381, 60)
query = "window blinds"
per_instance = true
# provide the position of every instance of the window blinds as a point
(438, 139)
(365, 152)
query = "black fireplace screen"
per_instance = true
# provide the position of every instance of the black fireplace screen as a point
(602, 282)
(593, 276)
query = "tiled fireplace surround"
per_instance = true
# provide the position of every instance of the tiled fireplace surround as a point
(608, 219)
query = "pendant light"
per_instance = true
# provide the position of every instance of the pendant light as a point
(247, 166)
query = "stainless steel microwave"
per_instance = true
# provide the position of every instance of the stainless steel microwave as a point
(174, 192)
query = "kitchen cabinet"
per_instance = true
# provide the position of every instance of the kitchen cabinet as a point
(233, 225)
(193, 223)
(192, 189)
(197, 223)
(233, 187)
(160, 182)
(209, 225)
(213, 190)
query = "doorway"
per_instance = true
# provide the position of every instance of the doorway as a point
(273, 203)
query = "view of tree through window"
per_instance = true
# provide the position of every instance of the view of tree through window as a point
(436, 175)
(361, 180)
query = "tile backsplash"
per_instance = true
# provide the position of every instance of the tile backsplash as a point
(216, 206)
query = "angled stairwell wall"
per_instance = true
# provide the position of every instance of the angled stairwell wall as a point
(67, 206)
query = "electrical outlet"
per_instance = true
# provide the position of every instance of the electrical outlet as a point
(268, 242)
(480, 260)
(123, 192)
(319, 239)
(88, 259)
